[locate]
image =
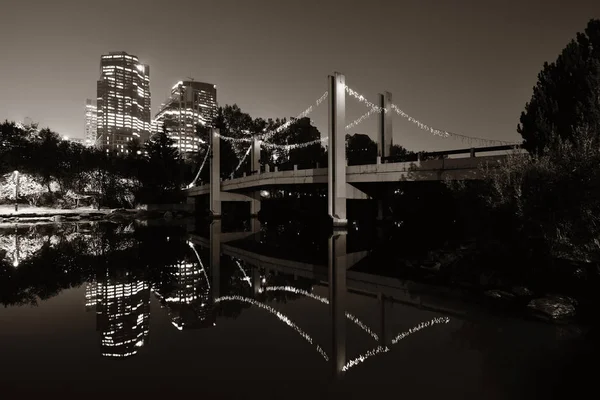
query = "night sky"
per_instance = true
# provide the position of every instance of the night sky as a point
(466, 66)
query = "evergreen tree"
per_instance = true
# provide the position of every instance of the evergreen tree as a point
(566, 96)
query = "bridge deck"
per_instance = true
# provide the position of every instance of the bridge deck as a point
(429, 170)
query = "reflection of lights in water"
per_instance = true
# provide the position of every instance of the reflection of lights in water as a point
(385, 349)
(324, 301)
(417, 328)
(363, 357)
(20, 247)
(278, 315)
(200, 262)
(246, 278)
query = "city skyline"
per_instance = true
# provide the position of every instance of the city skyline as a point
(475, 81)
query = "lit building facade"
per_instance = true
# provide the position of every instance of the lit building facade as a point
(123, 101)
(91, 122)
(191, 103)
(122, 315)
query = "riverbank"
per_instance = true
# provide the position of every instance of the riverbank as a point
(33, 215)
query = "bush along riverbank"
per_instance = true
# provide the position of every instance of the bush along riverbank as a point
(558, 291)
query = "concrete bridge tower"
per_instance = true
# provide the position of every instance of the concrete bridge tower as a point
(337, 150)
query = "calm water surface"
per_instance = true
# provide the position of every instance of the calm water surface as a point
(127, 311)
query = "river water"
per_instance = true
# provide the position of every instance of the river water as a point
(270, 312)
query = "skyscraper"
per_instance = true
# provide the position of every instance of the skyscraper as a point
(191, 103)
(91, 122)
(123, 101)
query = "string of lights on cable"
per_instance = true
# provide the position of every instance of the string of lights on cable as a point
(267, 135)
(447, 134)
(293, 145)
(201, 167)
(241, 162)
(362, 118)
(363, 99)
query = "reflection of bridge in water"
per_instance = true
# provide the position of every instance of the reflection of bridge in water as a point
(195, 296)
(337, 275)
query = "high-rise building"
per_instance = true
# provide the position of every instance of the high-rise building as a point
(91, 122)
(122, 314)
(190, 104)
(123, 101)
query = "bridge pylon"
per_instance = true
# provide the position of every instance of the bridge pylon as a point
(336, 171)
(384, 126)
(255, 156)
(215, 173)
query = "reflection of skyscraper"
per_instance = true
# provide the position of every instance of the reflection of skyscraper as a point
(189, 304)
(123, 314)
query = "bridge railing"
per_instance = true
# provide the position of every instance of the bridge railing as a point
(433, 155)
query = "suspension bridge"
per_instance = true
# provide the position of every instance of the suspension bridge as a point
(343, 182)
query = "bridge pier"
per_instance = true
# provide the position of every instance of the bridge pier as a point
(337, 263)
(384, 331)
(384, 127)
(215, 174)
(256, 282)
(215, 258)
(336, 171)
(255, 204)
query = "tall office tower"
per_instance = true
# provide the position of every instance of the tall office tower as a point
(189, 304)
(91, 122)
(122, 314)
(190, 104)
(123, 101)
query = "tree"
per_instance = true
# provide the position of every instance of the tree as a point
(565, 97)
(162, 170)
(360, 149)
(300, 132)
(400, 154)
(233, 122)
(45, 158)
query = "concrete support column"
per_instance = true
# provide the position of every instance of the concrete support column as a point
(337, 150)
(380, 210)
(256, 282)
(191, 201)
(255, 156)
(337, 261)
(215, 258)
(255, 204)
(384, 336)
(215, 174)
(255, 225)
(267, 168)
(384, 126)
